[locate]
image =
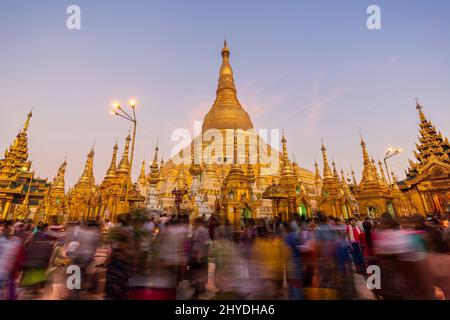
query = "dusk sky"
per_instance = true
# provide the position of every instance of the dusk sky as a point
(312, 68)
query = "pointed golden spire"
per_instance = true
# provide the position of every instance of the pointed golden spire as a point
(155, 159)
(59, 181)
(226, 110)
(432, 144)
(344, 183)
(419, 108)
(326, 167)
(317, 177)
(27, 122)
(368, 174)
(226, 72)
(383, 176)
(87, 178)
(250, 172)
(353, 177)
(335, 173)
(154, 165)
(124, 164)
(286, 169)
(181, 178)
(112, 170)
(394, 180)
(142, 180)
(342, 176)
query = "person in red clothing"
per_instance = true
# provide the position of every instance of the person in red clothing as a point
(353, 232)
(366, 239)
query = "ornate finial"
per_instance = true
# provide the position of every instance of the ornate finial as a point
(363, 143)
(225, 50)
(418, 106)
(326, 167)
(27, 122)
(323, 145)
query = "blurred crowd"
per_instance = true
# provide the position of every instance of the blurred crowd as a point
(146, 256)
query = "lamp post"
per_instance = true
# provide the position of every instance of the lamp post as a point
(391, 152)
(120, 112)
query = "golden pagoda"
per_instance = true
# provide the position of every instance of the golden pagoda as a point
(142, 182)
(402, 203)
(373, 196)
(108, 190)
(19, 188)
(123, 194)
(55, 202)
(427, 182)
(82, 197)
(333, 201)
(215, 148)
(155, 179)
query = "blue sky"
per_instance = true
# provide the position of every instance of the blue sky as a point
(311, 68)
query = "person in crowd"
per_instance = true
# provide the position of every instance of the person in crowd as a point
(268, 260)
(11, 258)
(199, 257)
(294, 268)
(366, 239)
(353, 234)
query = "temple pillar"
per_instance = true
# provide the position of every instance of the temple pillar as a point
(6, 207)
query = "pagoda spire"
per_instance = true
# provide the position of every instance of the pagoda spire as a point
(142, 174)
(318, 178)
(326, 167)
(235, 147)
(431, 144)
(354, 177)
(59, 181)
(112, 170)
(383, 176)
(335, 173)
(226, 110)
(226, 80)
(17, 155)
(124, 164)
(250, 172)
(27, 122)
(286, 169)
(345, 186)
(181, 177)
(368, 174)
(394, 182)
(87, 178)
(421, 114)
(155, 158)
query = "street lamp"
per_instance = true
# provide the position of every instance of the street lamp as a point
(120, 112)
(391, 152)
